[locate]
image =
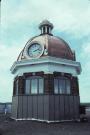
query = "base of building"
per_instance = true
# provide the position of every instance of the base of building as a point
(47, 121)
(46, 107)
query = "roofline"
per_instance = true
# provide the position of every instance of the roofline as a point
(47, 59)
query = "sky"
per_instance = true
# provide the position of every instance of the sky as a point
(19, 22)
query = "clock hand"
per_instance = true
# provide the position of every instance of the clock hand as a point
(36, 50)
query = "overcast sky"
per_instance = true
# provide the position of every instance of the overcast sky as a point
(19, 22)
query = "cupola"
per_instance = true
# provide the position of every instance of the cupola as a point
(46, 27)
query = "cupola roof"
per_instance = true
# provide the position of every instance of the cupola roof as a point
(53, 46)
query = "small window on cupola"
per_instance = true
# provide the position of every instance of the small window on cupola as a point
(44, 30)
(48, 30)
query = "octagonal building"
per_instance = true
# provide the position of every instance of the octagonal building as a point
(46, 85)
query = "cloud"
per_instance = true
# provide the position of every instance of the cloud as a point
(85, 52)
(8, 55)
(85, 75)
(86, 48)
(72, 17)
(6, 87)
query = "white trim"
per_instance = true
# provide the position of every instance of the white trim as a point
(47, 121)
(47, 63)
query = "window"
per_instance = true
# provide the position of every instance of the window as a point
(41, 86)
(34, 85)
(48, 30)
(43, 29)
(68, 86)
(61, 85)
(56, 86)
(27, 87)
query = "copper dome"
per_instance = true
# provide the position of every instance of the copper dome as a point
(56, 47)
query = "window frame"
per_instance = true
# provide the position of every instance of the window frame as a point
(64, 91)
(32, 78)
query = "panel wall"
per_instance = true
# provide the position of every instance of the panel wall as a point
(46, 107)
(30, 106)
(57, 107)
(24, 106)
(51, 108)
(14, 107)
(20, 109)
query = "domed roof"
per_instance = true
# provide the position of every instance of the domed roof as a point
(55, 46)
(52, 45)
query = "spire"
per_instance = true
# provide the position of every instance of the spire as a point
(46, 27)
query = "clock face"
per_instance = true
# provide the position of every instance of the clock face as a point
(35, 50)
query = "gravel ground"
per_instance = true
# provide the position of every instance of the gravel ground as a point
(11, 127)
